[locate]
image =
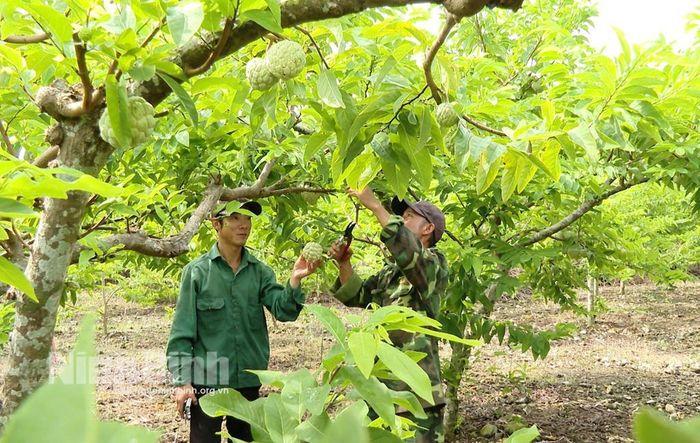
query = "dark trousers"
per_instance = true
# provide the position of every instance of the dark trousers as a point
(203, 428)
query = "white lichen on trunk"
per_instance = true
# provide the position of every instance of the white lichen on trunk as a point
(55, 238)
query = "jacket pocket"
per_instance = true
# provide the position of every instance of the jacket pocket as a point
(209, 304)
(256, 315)
(211, 319)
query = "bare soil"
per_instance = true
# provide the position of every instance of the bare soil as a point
(645, 350)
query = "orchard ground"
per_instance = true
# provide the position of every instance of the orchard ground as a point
(645, 350)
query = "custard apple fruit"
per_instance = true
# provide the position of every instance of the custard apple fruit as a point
(258, 75)
(285, 59)
(446, 115)
(312, 252)
(141, 121)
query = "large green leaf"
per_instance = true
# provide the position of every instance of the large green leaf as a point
(328, 89)
(265, 18)
(184, 20)
(118, 110)
(57, 24)
(330, 321)
(13, 209)
(279, 420)
(75, 387)
(584, 136)
(525, 435)
(373, 391)
(231, 402)
(652, 426)
(348, 425)
(363, 347)
(183, 96)
(407, 370)
(13, 276)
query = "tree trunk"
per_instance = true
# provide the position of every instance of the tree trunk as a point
(459, 362)
(592, 295)
(56, 235)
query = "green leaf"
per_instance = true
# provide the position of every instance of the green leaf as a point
(652, 426)
(363, 347)
(314, 144)
(12, 56)
(183, 96)
(264, 18)
(486, 173)
(94, 185)
(330, 321)
(231, 402)
(348, 423)
(314, 428)
(509, 179)
(13, 276)
(184, 20)
(409, 402)
(440, 334)
(14, 209)
(275, 9)
(583, 135)
(328, 89)
(525, 435)
(550, 159)
(75, 387)
(373, 391)
(377, 435)
(52, 20)
(118, 110)
(280, 424)
(406, 370)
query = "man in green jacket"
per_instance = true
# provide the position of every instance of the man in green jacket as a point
(219, 330)
(416, 277)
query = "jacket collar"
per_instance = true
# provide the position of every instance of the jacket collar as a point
(246, 256)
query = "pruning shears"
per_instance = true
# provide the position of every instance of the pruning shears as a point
(347, 238)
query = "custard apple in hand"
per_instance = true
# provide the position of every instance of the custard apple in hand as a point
(141, 121)
(285, 59)
(258, 74)
(312, 252)
(446, 115)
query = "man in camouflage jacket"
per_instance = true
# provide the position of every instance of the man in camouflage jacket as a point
(416, 277)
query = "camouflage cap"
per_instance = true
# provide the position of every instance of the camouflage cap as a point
(426, 210)
(246, 208)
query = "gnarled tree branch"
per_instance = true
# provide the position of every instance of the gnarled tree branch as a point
(313, 42)
(61, 101)
(214, 54)
(83, 72)
(578, 213)
(432, 52)
(26, 39)
(6, 139)
(173, 245)
(196, 52)
(49, 154)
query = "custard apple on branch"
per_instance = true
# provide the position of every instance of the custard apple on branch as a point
(285, 59)
(312, 252)
(141, 121)
(258, 74)
(446, 115)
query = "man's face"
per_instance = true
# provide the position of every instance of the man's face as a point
(418, 224)
(234, 229)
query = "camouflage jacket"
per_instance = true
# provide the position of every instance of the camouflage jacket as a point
(416, 278)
